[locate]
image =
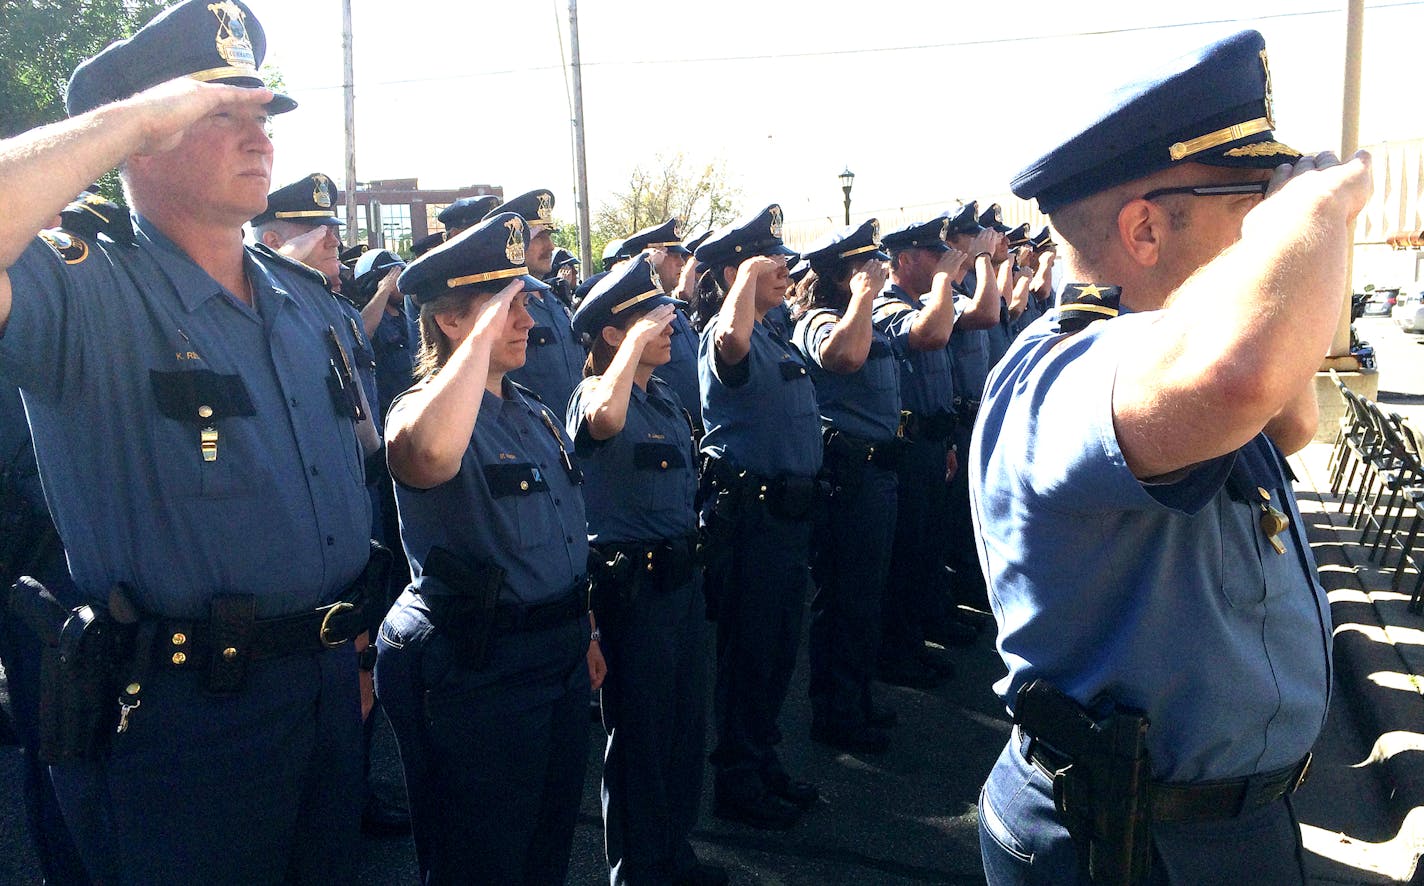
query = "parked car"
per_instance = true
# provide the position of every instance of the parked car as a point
(1408, 313)
(1381, 302)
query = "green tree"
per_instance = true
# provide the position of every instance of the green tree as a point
(698, 195)
(43, 41)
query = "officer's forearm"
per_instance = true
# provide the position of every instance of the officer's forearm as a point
(934, 324)
(848, 344)
(43, 169)
(428, 430)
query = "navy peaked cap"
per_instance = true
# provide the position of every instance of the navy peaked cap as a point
(665, 235)
(535, 207)
(756, 234)
(467, 211)
(220, 42)
(966, 220)
(491, 251)
(309, 200)
(851, 244)
(920, 235)
(631, 289)
(993, 217)
(1211, 106)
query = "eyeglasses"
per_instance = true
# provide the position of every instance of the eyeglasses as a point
(1211, 190)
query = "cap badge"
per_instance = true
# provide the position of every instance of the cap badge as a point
(677, 228)
(1270, 106)
(232, 40)
(546, 207)
(321, 192)
(653, 277)
(776, 222)
(875, 231)
(944, 229)
(514, 246)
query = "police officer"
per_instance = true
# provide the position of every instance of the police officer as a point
(634, 440)
(555, 359)
(858, 388)
(232, 507)
(1134, 504)
(668, 257)
(916, 312)
(485, 662)
(762, 454)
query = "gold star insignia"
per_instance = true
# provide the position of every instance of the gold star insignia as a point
(1092, 289)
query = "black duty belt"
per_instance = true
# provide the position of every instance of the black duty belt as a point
(966, 410)
(1194, 802)
(882, 453)
(186, 644)
(787, 496)
(933, 427)
(513, 618)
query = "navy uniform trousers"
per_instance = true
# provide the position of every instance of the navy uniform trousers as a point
(1261, 847)
(654, 712)
(915, 588)
(759, 616)
(494, 758)
(849, 563)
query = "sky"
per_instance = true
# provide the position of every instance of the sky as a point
(926, 101)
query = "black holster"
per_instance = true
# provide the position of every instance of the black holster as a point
(622, 571)
(462, 603)
(1103, 790)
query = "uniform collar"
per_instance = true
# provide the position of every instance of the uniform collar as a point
(194, 286)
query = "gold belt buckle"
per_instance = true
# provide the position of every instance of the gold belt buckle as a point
(333, 609)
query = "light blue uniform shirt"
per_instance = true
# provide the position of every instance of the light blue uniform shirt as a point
(281, 512)
(1165, 598)
(969, 348)
(760, 414)
(553, 360)
(864, 403)
(512, 503)
(926, 377)
(680, 371)
(639, 484)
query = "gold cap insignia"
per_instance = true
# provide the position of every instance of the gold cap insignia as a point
(232, 41)
(1270, 106)
(546, 206)
(514, 246)
(677, 228)
(1263, 149)
(944, 229)
(321, 192)
(875, 231)
(776, 221)
(653, 277)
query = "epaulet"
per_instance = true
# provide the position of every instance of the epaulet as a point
(71, 250)
(527, 392)
(92, 215)
(290, 263)
(1084, 303)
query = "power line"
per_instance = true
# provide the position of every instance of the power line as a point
(830, 53)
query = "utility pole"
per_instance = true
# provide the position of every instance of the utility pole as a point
(348, 89)
(1340, 357)
(580, 163)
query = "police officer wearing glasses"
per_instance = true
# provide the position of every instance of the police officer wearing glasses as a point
(1167, 640)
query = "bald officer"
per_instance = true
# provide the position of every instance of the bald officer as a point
(1157, 602)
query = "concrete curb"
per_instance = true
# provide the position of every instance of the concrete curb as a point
(1380, 680)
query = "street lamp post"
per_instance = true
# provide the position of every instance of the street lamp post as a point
(847, 180)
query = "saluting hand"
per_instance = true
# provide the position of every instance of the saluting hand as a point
(1320, 178)
(492, 315)
(950, 262)
(303, 247)
(168, 110)
(869, 280)
(651, 325)
(387, 287)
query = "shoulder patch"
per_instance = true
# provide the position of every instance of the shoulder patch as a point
(275, 257)
(818, 320)
(890, 307)
(71, 250)
(92, 215)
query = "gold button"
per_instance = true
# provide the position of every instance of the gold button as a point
(650, 567)
(229, 654)
(179, 658)
(180, 639)
(650, 555)
(523, 485)
(664, 464)
(1265, 496)
(205, 412)
(132, 688)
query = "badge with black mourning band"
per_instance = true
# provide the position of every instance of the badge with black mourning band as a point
(202, 398)
(1084, 303)
(214, 42)
(308, 200)
(491, 252)
(632, 288)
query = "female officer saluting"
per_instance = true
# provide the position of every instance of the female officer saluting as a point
(481, 662)
(763, 451)
(634, 440)
(857, 385)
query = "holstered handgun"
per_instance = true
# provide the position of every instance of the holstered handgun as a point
(1104, 792)
(614, 583)
(462, 602)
